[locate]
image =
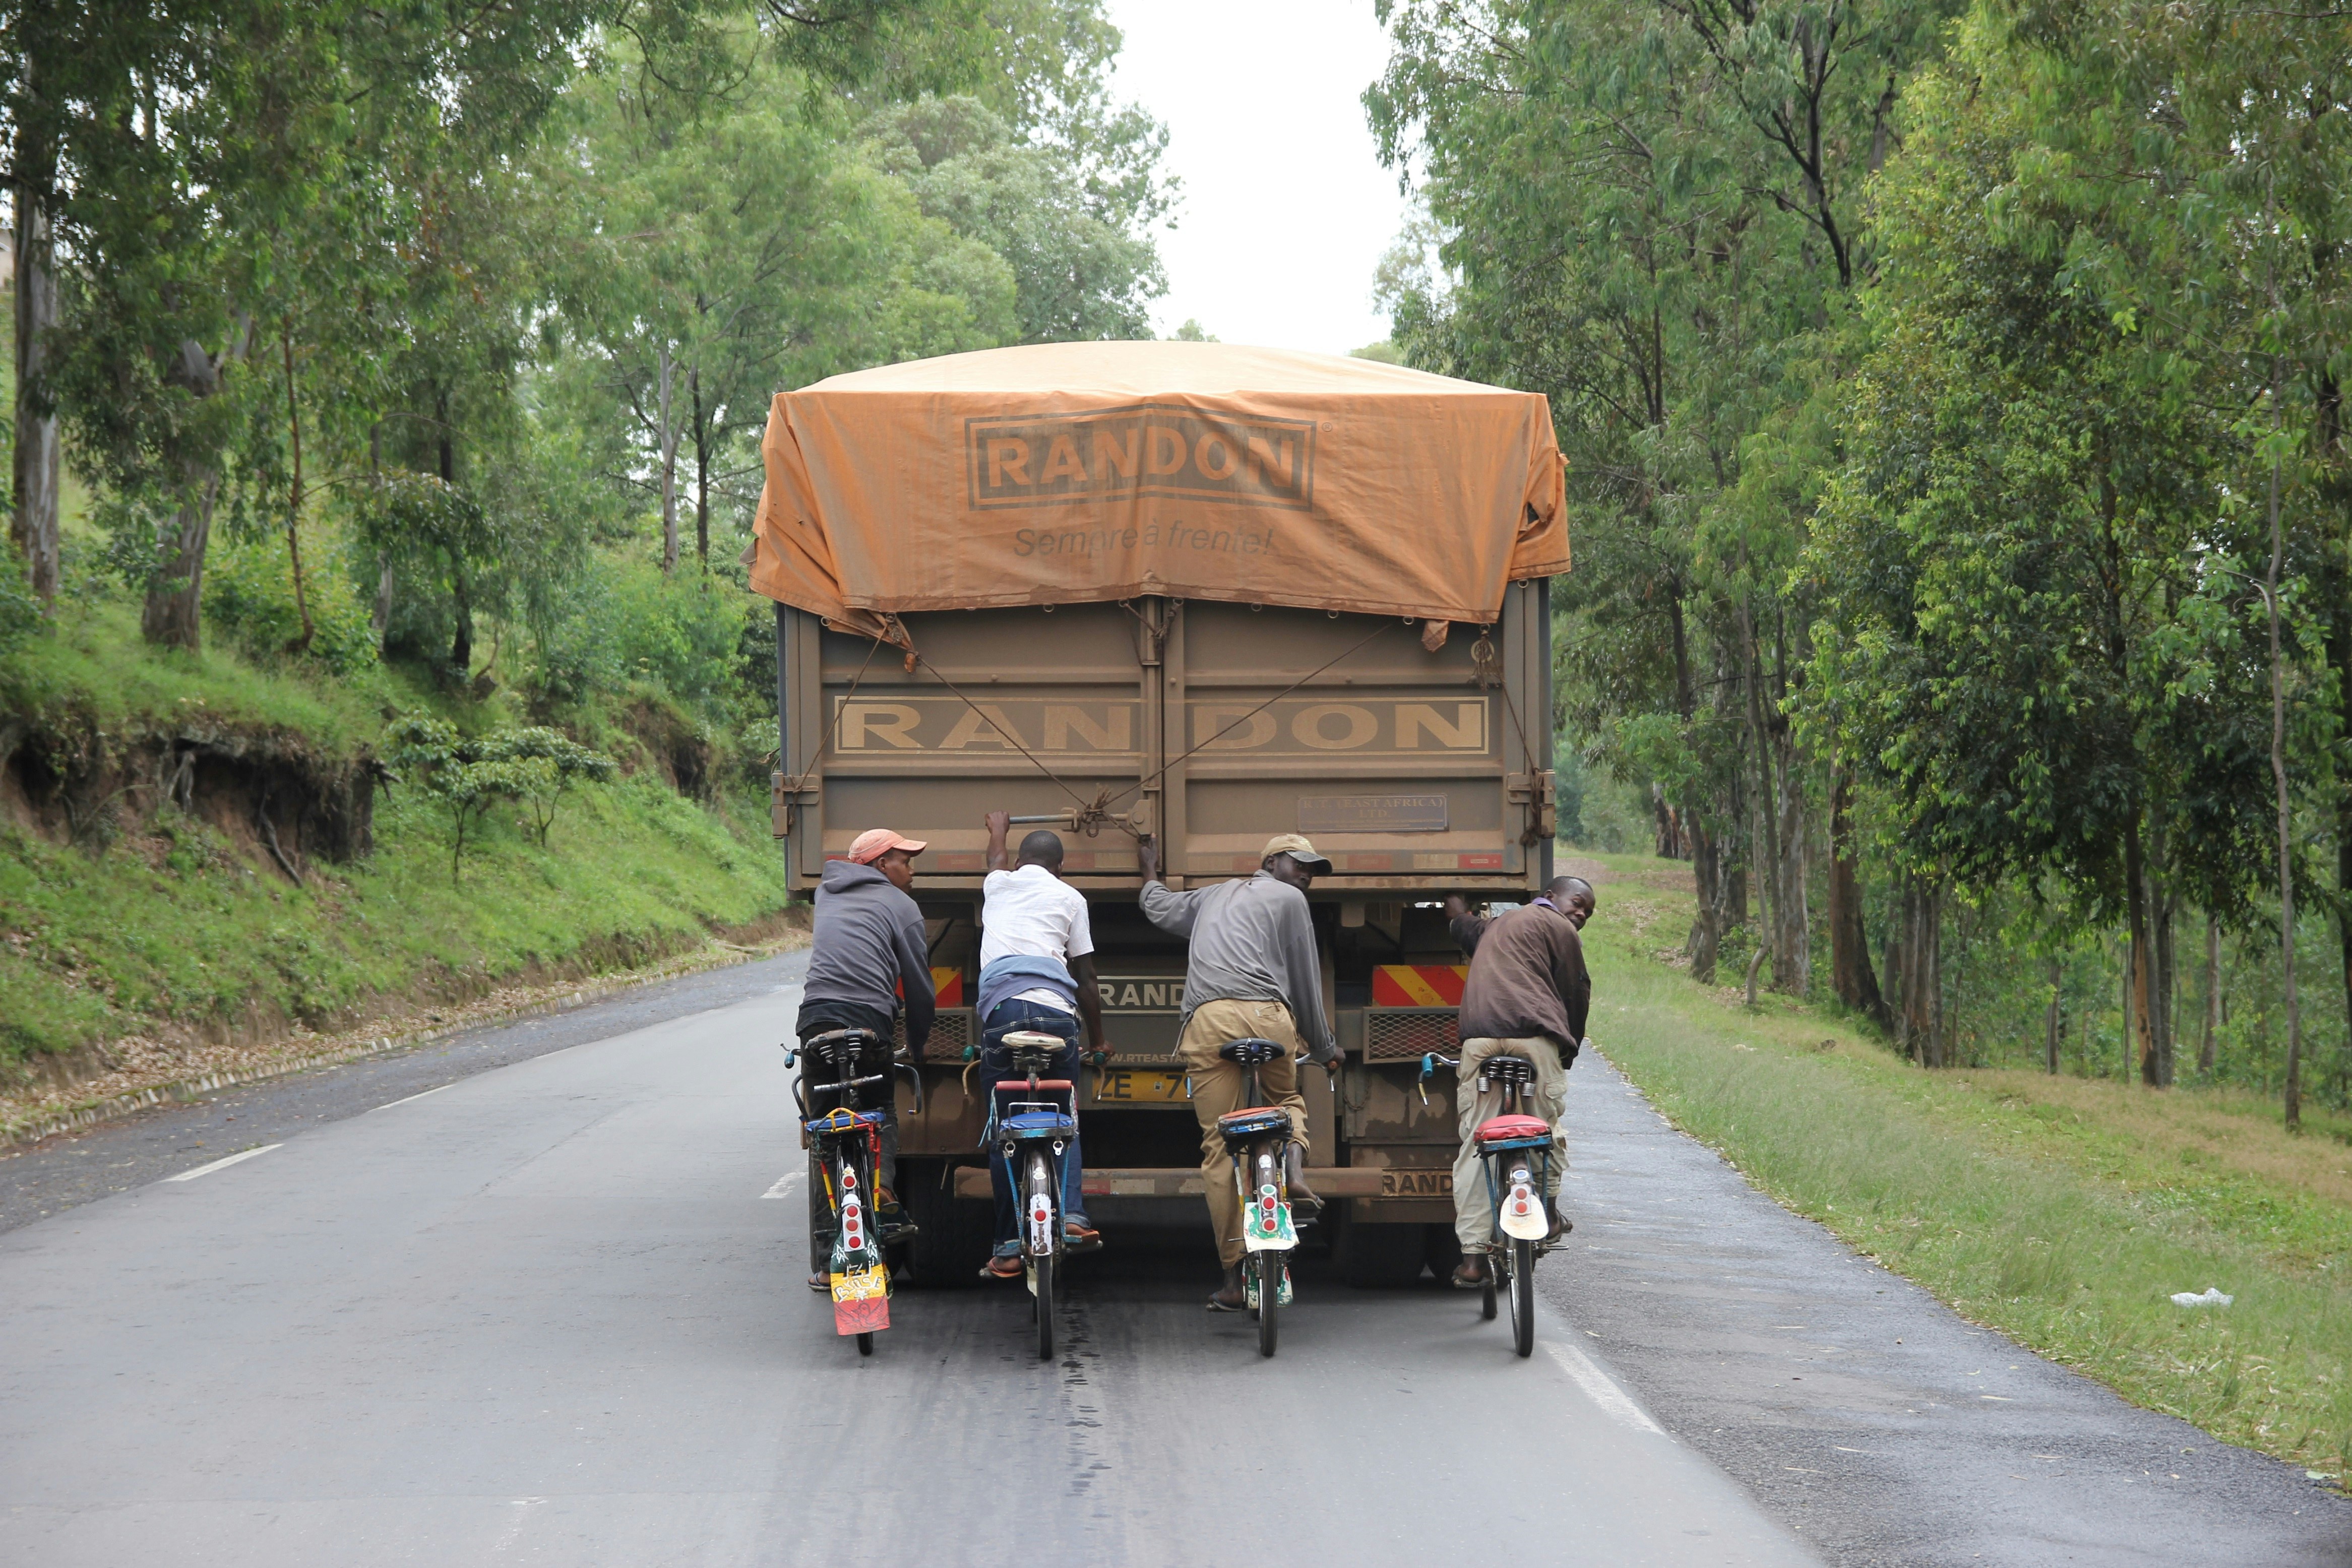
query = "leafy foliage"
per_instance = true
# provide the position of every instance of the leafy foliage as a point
(470, 775)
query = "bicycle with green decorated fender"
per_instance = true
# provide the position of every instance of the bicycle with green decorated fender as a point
(1515, 1151)
(1258, 1138)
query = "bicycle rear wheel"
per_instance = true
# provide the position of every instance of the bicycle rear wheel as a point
(1523, 1297)
(1042, 1267)
(1269, 1272)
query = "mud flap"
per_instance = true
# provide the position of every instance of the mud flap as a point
(861, 1301)
(1523, 1217)
(1266, 1223)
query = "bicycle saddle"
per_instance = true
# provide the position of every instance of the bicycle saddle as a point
(1251, 1052)
(840, 1045)
(1508, 1070)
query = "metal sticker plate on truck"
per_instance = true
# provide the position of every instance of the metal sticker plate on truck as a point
(1371, 813)
(1416, 1184)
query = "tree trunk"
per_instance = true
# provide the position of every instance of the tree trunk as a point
(2140, 959)
(2164, 988)
(2057, 1016)
(1706, 931)
(2212, 996)
(2293, 1096)
(174, 614)
(1850, 972)
(668, 436)
(1792, 928)
(34, 485)
(1923, 978)
(701, 471)
(461, 645)
(294, 502)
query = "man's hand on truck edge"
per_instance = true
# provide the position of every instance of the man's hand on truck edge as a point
(1147, 856)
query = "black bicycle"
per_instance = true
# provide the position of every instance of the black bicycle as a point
(845, 1144)
(1258, 1139)
(1033, 1121)
(1515, 1151)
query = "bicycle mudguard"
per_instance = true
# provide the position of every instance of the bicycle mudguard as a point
(861, 1300)
(1522, 1210)
(1266, 1222)
(1041, 1224)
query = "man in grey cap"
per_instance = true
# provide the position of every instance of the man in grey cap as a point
(1252, 972)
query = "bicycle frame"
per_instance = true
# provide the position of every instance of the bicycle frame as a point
(1257, 1139)
(846, 1141)
(1036, 1118)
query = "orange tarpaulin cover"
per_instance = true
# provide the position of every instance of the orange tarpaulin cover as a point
(1072, 472)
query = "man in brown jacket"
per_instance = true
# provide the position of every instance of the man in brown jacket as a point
(1527, 995)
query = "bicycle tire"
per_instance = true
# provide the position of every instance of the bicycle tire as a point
(1486, 1292)
(1042, 1269)
(1523, 1297)
(1269, 1289)
(865, 1345)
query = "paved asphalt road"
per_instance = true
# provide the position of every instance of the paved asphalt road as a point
(543, 1314)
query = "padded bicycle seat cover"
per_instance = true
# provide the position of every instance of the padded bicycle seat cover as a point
(1038, 1125)
(1496, 1129)
(1254, 1123)
(1250, 1049)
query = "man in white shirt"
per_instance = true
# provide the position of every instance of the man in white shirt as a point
(1036, 973)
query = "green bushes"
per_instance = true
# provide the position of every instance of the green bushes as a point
(250, 595)
(469, 776)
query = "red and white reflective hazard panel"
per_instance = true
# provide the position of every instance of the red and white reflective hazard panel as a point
(1418, 985)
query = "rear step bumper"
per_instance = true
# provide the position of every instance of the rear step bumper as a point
(1328, 1181)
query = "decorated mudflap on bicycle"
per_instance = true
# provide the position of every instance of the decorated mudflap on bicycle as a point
(861, 1274)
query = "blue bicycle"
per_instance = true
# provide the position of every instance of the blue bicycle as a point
(1031, 1123)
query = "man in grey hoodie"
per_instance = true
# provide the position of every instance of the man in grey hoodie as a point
(869, 957)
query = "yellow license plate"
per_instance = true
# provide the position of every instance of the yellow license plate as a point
(1132, 1085)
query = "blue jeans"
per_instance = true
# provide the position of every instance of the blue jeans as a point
(996, 1063)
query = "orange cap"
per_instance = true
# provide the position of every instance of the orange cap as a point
(875, 843)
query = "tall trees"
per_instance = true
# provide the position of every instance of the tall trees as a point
(1653, 212)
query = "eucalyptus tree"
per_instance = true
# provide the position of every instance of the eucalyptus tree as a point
(2034, 492)
(1651, 213)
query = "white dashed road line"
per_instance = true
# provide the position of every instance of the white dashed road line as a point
(223, 1163)
(785, 1186)
(419, 1095)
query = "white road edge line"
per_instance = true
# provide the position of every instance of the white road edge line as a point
(785, 1185)
(220, 1165)
(1601, 1389)
(407, 1098)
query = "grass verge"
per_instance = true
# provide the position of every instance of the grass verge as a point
(171, 938)
(2064, 1212)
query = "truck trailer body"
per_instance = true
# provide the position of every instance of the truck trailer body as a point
(1414, 750)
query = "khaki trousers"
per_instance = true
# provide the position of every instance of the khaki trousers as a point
(1217, 1088)
(1474, 1207)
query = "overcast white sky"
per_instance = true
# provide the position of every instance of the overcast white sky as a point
(1285, 209)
